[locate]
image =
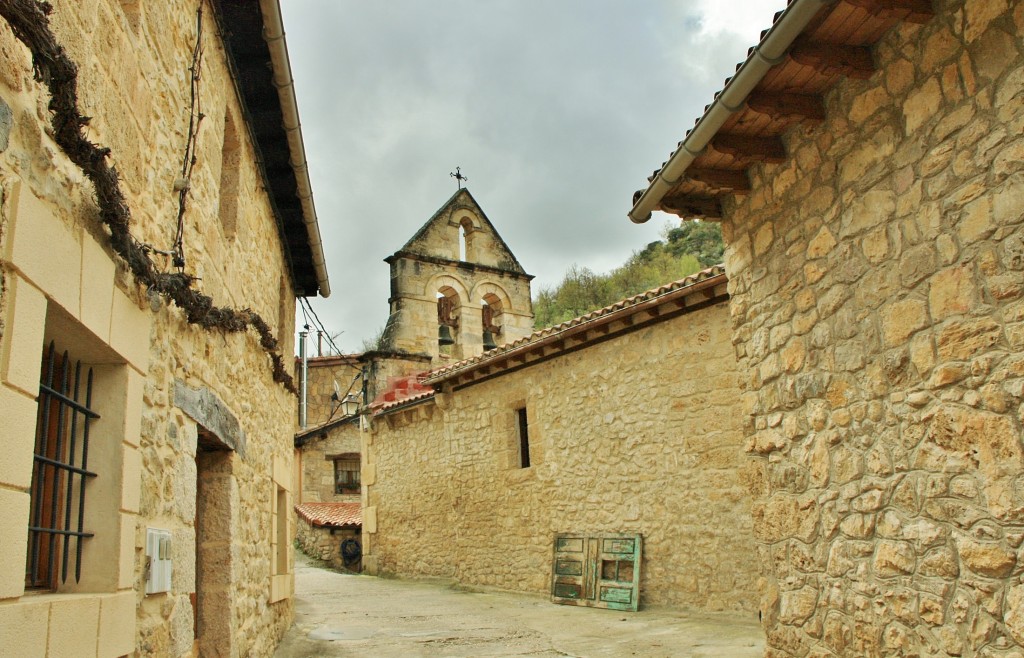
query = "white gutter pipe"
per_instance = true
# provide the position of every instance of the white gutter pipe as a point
(766, 54)
(273, 28)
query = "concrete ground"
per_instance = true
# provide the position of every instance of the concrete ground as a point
(347, 615)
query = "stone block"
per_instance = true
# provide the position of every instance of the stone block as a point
(1014, 615)
(129, 331)
(13, 548)
(23, 628)
(951, 292)
(97, 287)
(204, 407)
(74, 626)
(893, 558)
(131, 480)
(134, 385)
(17, 435)
(990, 559)
(963, 340)
(370, 519)
(45, 250)
(901, 319)
(20, 360)
(126, 554)
(922, 105)
(116, 625)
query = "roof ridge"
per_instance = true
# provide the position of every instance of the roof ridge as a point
(596, 314)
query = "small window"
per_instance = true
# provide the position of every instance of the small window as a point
(346, 475)
(60, 472)
(524, 438)
(282, 531)
(230, 161)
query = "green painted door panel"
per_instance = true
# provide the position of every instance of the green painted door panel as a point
(599, 571)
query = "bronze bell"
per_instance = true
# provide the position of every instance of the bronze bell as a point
(489, 343)
(444, 335)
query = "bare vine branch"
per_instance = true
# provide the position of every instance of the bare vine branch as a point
(51, 65)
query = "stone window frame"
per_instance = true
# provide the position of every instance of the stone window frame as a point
(282, 528)
(61, 284)
(513, 438)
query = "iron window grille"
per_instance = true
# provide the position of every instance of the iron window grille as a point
(346, 475)
(61, 453)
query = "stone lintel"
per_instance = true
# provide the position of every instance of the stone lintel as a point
(204, 407)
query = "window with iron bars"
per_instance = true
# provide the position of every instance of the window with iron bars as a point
(346, 475)
(60, 472)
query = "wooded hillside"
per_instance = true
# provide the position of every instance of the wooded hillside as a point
(684, 250)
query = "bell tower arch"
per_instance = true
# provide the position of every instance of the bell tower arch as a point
(456, 287)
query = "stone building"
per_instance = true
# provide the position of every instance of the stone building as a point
(458, 279)
(146, 470)
(867, 165)
(455, 275)
(473, 482)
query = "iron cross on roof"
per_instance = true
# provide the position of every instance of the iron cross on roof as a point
(459, 177)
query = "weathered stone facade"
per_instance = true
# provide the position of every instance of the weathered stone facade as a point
(430, 265)
(318, 453)
(325, 543)
(621, 439)
(876, 281)
(194, 435)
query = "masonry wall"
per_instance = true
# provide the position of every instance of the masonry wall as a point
(60, 281)
(877, 282)
(322, 373)
(325, 543)
(622, 439)
(318, 464)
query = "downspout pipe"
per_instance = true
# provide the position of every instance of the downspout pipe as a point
(768, 53)
(273, 33)
(303, 379)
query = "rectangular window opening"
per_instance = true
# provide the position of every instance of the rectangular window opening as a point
(60, 472)
(282, 531)
(346, 476)
(524, 438)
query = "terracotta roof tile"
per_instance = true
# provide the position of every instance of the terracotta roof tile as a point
(400, 391)
(331, 514)
(717, 270)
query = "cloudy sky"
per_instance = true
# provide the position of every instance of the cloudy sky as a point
(556, 110)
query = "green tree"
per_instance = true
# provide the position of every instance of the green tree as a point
(685, 250)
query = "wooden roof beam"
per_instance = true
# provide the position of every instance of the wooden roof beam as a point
(803, 107)
(729, 179)
(767, 149)
(834, 58)
(685, 205)
(912, 11)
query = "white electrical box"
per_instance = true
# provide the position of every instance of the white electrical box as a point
(158, 561)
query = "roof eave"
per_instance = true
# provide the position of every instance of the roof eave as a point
(769, 52)
(274, 36)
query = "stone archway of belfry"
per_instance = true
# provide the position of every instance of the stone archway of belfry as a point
(216, 509)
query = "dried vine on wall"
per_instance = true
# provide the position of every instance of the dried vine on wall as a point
(30, 23)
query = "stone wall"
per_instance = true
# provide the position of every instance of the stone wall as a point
(318, 465)
(877, 281)
(321, 373)
(430, 264)
(622, 439)
(133, 63)
(325, 543)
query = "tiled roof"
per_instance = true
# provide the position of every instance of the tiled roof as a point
(331, 514)
(624, 305)
(401, 391)
(811, 46)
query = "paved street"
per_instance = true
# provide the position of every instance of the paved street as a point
(346, 615)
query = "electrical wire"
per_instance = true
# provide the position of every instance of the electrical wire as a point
(303, 302)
